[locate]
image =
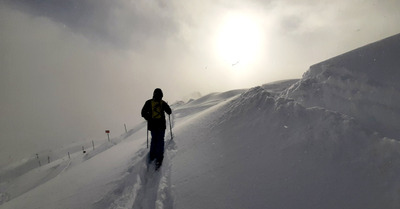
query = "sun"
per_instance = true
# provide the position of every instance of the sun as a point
(238, 39)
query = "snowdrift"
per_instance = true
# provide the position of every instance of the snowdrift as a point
(268, 152)
(363, 83)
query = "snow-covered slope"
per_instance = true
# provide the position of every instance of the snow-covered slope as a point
(257, 151)
(320, 144)
(363, 83)
(290, 144)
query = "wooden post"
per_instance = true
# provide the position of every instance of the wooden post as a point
(126, 130)
(69, 156)
(48, 159)
(93, 144)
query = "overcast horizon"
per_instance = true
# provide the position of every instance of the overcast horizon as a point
(71, 69)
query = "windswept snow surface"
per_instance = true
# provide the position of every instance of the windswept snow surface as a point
(300, 148)
(291, 144)
(363, 83)
(257, 151)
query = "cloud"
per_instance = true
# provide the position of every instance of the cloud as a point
(124, 24)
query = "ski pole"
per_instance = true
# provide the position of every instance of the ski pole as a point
(147, 131)
(170, 126)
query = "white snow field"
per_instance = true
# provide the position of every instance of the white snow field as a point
(329, 140)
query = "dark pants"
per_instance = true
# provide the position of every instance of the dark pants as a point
(157, 146)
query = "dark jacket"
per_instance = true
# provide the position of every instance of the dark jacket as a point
(155, 120)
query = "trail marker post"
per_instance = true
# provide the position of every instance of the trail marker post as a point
(108, 134)
(37, 156)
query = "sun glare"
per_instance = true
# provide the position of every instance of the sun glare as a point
(238, 39)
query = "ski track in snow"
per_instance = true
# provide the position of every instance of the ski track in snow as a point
(142, 187)
(12, 188)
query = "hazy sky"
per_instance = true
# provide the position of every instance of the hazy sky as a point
(69, 69)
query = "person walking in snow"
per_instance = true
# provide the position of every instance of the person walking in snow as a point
(153, 111)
